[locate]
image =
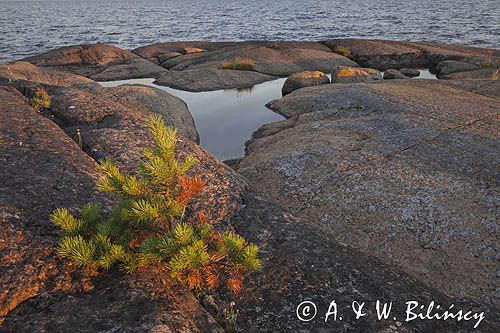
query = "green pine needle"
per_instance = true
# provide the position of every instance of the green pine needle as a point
(68, 223)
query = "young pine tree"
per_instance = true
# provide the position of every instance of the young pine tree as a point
(152, 224)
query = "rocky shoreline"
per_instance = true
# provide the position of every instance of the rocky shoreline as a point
(370, 190)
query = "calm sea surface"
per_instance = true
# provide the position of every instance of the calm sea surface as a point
(31, 27)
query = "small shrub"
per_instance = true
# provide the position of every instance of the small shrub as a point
(41, 100)
(308, 75)
(152, 224)
(349, 72)
(189, 50)
(342, 51)
(239, 64)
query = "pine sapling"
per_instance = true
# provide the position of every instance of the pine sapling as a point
(152, 224)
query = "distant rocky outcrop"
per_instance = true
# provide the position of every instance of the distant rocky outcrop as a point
(385, 54)
(101, 62)
(21, 70)
(271, 59)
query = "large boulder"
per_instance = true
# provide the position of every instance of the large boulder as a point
(410, 72)
(452, 66)
(343, 74)
(98, 61)
(394, 74)
(385, 54)
(162, 58)
(304, 79)
(74, 107)
(132, 69)
(207, 79)
(404, 170)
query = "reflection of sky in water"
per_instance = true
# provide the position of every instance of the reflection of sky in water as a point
(425, 74)
(226, 119)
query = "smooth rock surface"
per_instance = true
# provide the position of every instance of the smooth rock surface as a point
(173, 109)
(404, 170)
(476, 83)
(301, 262)
(133, 69)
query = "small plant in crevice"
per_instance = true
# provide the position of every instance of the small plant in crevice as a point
(79, 140)
(230, 318)
(239, 64)
(344, 51)
(495, 75)
(41, 100)
(152, 224)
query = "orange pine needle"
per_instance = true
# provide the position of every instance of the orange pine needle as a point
(211, 278)
(235, 282)
(190, 186)
(194, 280)
(202, 218)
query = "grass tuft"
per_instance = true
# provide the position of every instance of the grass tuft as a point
(343, 51)
(239, 64)
(189, 50)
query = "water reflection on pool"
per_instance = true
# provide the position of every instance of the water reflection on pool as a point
(225, 119)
